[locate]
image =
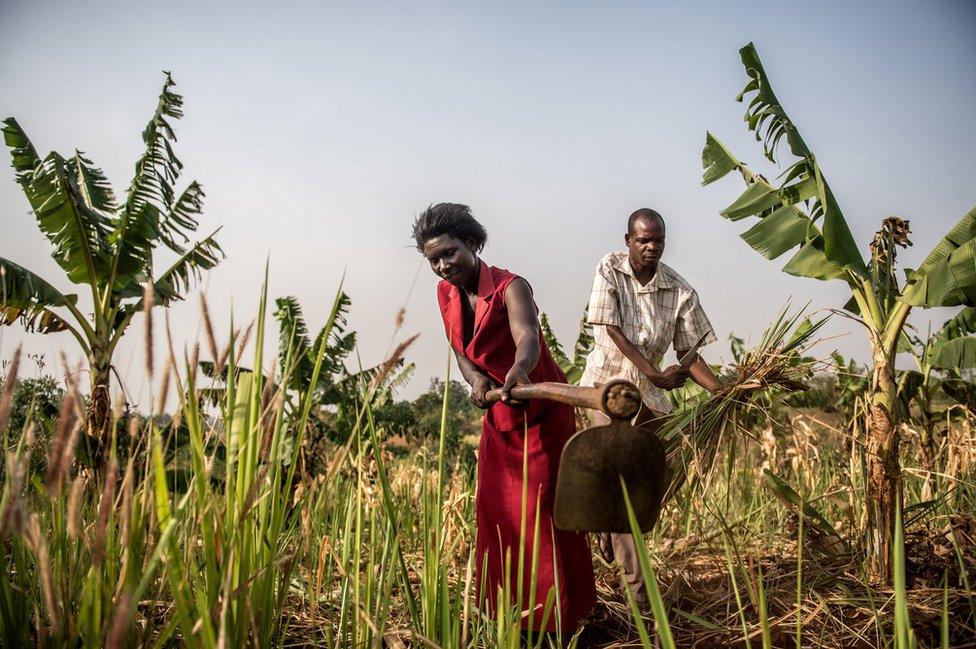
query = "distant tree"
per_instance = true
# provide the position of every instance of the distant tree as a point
(37, 401)
(463, 417)
(395, 418)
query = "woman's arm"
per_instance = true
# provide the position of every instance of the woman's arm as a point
(479, 382)
(524, 324)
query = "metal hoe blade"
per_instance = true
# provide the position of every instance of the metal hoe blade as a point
(589, 497)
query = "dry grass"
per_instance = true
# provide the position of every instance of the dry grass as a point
(837, 607)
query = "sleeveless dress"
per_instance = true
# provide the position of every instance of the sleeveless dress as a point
(514, 439)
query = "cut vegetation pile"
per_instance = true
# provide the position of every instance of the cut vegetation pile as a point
(694, 433)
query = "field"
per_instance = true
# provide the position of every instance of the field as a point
(242, 524)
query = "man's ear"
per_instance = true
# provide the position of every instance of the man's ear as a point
(627, 238)
(470, 243)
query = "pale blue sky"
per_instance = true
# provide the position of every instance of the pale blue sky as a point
(319, 130)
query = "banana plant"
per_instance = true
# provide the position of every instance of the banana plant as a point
(296, 358)
(105, 246)
(941, 359)
(572, 368)
(800, 214)
(336, 386)
(853, 381)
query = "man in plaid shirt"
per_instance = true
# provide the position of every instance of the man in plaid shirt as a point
(639, 307)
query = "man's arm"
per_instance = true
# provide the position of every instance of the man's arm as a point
(669, 379)
(692, 324)
(701, 373)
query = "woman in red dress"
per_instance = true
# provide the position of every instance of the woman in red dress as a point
(492, 324)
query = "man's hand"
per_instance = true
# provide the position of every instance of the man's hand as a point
(516, 376)
(671, 378)
(479, 387)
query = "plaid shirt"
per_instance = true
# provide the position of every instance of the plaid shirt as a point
(662, 313)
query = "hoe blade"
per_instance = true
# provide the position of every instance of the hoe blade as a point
(588, 493)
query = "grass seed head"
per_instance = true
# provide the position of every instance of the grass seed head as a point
(118, 409)
(68, 457)
(224, 355)
(104, 510)
(67, 422)
(121, 621)
(194, 361)
(35, 541)
(242, 344)
(134, 424)
(125, 508)
(387, 366)
(164, 389)
(7, 394)
(29, 436)
(12, 519)
(74, 506)
(208, 329)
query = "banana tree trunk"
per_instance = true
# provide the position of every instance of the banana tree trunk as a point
(883, 468)
(99, 412)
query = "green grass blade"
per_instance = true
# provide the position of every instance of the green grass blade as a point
(650, 580)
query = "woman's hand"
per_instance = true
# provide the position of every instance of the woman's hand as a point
(479, 387)
(671, 378)
(516, 376)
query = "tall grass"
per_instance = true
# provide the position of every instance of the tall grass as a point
(206, 531)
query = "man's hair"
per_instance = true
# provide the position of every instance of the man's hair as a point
(643, 213)
(452, 219)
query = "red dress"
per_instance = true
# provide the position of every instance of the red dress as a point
(564, 565)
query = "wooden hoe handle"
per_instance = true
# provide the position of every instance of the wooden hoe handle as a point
(617, 399)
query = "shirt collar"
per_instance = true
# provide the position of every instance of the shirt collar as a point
(661, 279)
(486, 281)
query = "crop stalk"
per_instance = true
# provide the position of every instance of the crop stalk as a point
(883, 482)
(99, 409)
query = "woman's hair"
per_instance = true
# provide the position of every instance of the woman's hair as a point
(452, 219)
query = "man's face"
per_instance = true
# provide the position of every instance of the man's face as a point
(645, 243)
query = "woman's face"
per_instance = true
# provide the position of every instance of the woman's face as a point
(451, 259)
